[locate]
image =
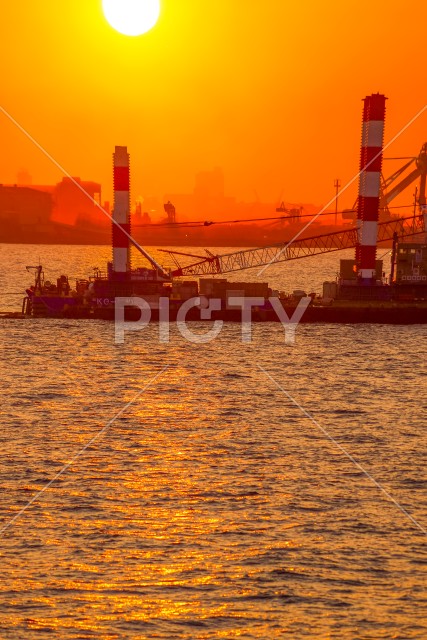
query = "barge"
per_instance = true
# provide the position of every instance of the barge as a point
(342, 301)
(361, 293)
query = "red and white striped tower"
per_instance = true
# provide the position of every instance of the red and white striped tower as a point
(371, 157)
(121, 211)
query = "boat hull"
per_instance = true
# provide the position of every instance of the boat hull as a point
(381, 313)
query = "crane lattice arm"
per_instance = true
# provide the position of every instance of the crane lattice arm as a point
(419, 172)
(300, 248)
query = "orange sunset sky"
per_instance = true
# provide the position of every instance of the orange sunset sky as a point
(270, 91)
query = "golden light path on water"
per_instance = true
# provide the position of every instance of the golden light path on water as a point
(212, 508)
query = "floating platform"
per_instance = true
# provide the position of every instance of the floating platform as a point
(351, 304)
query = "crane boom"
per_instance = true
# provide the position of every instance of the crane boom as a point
(300, 248)
(419, 172)
(406, 182)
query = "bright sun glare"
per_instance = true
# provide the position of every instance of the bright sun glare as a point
(131, 17)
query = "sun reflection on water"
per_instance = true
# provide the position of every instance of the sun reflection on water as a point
(211, 509)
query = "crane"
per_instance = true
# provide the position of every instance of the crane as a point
(389, 190)
(212, 264)
(420, 171)
(388, 230)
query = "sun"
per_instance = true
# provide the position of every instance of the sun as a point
(131, 17)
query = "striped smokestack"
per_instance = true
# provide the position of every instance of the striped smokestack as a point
(121, 211)
(369, 184)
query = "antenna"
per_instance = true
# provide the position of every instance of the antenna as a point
(337, 185)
